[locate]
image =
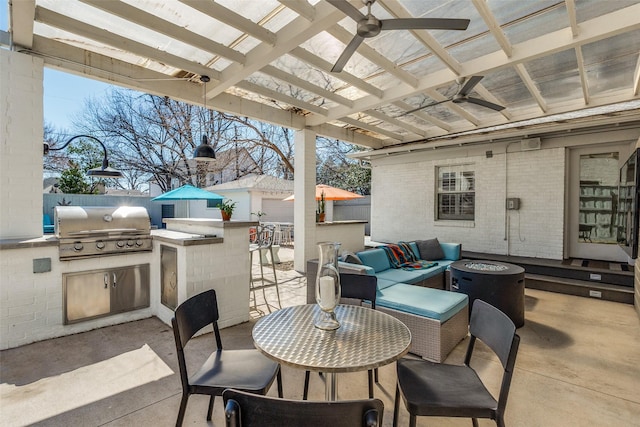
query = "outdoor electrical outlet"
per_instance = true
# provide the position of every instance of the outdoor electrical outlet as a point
(595, 277)
(595, 294)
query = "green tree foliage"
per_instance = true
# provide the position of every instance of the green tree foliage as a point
(336, 169)
(72, 181)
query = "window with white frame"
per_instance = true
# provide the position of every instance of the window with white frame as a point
(456, 193)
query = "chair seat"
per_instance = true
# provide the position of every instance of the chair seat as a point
(427, 389)
(246, 370)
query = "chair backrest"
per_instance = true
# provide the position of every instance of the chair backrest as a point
(359, 286)
(194, 314)
(252, 410)
(265, 235)
(497, 331)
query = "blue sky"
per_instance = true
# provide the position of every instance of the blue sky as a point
(64, 93)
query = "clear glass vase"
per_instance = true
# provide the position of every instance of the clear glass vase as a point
(328, 286)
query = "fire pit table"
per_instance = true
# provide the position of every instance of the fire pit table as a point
(497, 283)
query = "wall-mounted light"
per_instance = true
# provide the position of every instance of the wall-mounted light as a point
(204, 151)
(101, 172)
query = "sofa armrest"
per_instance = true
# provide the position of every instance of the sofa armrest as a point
(452, 251)
(343, 267)
(347, 267)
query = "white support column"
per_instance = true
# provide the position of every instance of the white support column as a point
(21, 138)
(304, 189)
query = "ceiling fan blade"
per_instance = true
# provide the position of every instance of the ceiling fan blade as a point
(423, 107)
(469, 85)
(424, 24)
(484, 103)
(348, 52)
(347, 9)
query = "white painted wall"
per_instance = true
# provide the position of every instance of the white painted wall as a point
(404, 197)
(21, 139)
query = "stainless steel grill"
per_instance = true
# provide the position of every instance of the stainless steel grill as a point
(97, 231)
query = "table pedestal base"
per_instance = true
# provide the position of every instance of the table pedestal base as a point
(331, 386)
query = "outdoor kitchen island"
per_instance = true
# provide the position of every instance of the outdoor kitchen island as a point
(32, 274)
(197, 254)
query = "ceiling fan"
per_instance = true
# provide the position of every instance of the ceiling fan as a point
(369, 26)
(463, 96)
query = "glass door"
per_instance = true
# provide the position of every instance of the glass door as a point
(592, 229)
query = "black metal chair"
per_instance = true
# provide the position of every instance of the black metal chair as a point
(250, 410)
(440, 390)
(360, 287)
(244, 369)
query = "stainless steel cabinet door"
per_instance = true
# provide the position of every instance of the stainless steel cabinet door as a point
(86, 294)
(130, 287)
(169, 276)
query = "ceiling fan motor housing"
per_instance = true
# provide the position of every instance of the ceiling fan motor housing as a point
(369, 27)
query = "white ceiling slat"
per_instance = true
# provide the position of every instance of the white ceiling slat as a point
(489, 97)
(583, 75)
(316, 61)
(396, 9)
(278, 96)
(55, 19)
(531, 86)
(232, 19)
(371, 128)
(388, 119)
(424, 116)
(494, 27)
(304, 84)
(372, 55)
(301, 7)
(636, 78)
(167, 28)
(347, 134)
(112, 71)
(573, 20)
(293, 34)
(22, 13)
(434, 94)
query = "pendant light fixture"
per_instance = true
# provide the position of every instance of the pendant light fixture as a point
(100, 172)
(204, 151)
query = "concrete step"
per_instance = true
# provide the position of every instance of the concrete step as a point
(589, 289)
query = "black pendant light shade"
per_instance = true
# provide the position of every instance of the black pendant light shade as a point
(100, 172)
(204, 152)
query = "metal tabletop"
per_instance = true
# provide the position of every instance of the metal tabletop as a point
(365, 340)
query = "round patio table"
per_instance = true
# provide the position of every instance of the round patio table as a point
(366, 339)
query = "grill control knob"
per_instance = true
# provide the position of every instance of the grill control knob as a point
(130, 243)
(100, 244)
(139, 243)
(120, 243)
(77, 246)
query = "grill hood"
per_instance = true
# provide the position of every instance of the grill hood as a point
(78, 221)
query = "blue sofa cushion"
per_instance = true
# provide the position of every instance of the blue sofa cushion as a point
(451, 250)
(376, 258)
(432, 303)
(409, 276)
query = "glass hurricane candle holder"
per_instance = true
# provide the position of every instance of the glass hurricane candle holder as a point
(328, 286)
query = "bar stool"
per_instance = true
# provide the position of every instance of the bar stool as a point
(263, 243)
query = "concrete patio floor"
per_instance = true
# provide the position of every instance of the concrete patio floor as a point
(577, 366)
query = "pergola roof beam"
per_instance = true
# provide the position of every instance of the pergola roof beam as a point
(22, 13)
(531, 86)
(278, 96)
(583, 75)
(167, 28)
(494, 27)
(65, 23)
(424, 116)
(372, 128)
(573, 20)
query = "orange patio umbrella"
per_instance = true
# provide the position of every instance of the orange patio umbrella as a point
(332, 193)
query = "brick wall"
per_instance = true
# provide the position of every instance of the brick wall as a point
(404, 195)
(21, 132)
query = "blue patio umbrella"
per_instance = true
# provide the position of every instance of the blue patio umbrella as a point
(189, 192)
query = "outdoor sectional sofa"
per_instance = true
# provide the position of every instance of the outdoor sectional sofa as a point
(437, 319)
